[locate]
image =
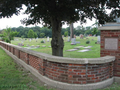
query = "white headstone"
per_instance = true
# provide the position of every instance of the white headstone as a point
(48, 39)
(30, 40)
(73, 41)
(98, 39)
(44, 41)
(68, 39)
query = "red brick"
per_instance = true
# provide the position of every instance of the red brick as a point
(90, 75)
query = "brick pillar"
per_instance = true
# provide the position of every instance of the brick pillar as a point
(110, 44)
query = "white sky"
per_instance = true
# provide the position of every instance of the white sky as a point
(14, 21)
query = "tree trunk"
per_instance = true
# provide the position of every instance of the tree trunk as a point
(71, 31)
(57, 40)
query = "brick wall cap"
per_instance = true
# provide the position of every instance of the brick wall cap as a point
(52, 58)
(110, 26)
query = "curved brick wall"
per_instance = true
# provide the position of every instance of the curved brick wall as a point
(68, 70)
(78, 73)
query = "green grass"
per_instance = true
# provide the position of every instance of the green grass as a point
(12, 77)
(94, 53)
(114, 86)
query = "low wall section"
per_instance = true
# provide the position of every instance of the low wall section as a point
(67, 71)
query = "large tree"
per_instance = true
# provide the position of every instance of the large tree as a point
(54, 13)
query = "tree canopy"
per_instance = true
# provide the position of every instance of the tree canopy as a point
(54, 13)
(8, 35)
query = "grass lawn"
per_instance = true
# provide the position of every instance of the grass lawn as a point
(12, 77)
(94, 53)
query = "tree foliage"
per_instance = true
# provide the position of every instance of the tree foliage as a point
(8, 35)
(54, 13)
(31, 34)
(66, 33)
(47, 31)
(35, 35)
(23, 31)
(42, 35)
(94, 31)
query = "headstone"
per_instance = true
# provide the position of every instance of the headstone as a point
(44, 41)
(43, 46)
(68, 39)
(49, 46)
(85, 50)
(37, 46)
(32, 46)
(72, 50)
(73, 41)
(98, 40)
(77, 42)
(87, 47)
(62, 36)
(48, 39)
(20, 44)
(78, 47)
(30, 40)
(81, 36)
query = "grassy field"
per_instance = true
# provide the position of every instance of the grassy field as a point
(94, 53)
(12, 77)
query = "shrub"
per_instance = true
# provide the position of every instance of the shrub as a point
(42, 41)
(87, 42)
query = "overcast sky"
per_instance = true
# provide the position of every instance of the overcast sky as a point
(14, 21)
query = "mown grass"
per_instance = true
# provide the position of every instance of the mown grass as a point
(12, 77)
(114, 86)
(94, 53)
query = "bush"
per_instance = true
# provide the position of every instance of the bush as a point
(42, 41)
(87, 42)
(95, 42)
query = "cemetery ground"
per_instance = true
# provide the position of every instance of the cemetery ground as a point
(44, 47)
(14, 77)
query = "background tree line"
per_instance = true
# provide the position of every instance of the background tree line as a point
(41, 32)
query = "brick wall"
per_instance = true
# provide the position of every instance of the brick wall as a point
(116, 53)
(24, 56)
(17, 52)
(12, 50)
(78, 73)
(65, 72)
(9, 48)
